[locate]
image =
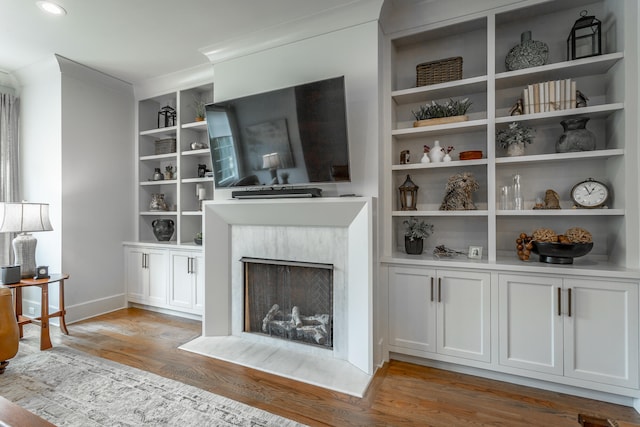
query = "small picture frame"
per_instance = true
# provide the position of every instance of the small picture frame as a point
(475, 252)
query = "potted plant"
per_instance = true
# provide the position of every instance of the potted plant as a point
(415, 233)
(198, 238)
(514, 138)
(198, 106)
(435, 113)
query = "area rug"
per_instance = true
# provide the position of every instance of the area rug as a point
(71, 388)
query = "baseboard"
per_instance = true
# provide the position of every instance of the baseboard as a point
(78, 312)
(166, 311)
(519, 380)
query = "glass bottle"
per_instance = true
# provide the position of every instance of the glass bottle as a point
(518, 201)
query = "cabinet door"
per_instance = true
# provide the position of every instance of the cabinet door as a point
(412, 310)
(157, 276)
(181, 289)
(530, 323)
(601, 332)
(136, 275)
(464, 317)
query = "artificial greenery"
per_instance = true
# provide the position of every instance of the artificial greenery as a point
(450, 108)
(198, 106)
(514, 134)
(417, 229)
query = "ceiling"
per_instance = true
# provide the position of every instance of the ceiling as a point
(134, 40)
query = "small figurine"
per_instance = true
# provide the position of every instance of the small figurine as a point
(459, 191)
(517, 109)
(551, 200)
(581, 99)
(405, 157)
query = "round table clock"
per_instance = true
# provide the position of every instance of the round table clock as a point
(42, 272)
(590, 194)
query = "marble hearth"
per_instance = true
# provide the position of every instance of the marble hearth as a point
(336, 231)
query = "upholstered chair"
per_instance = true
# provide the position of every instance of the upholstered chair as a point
(9, 334)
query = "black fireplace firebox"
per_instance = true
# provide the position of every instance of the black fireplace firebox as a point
(289, 300)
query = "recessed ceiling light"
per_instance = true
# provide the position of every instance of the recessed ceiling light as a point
(51, 8)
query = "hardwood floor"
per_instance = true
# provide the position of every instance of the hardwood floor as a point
(401, 394)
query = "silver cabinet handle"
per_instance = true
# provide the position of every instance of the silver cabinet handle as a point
(569, 312)
(559, 301)
(439, 289)
(432, 289)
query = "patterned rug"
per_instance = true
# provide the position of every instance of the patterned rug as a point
(71, 388)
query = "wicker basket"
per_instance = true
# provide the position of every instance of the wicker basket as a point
(166, 146)
(443, 70)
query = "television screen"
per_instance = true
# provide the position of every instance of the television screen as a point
(292, 136)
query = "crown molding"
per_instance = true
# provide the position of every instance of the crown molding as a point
(349, 15)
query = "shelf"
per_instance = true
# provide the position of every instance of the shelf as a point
(156, 213)
(446, 129)
(168, 131)
(158, 157)
(551, 117)
(562, 212)
(192, 213)
(451, 164)
(442, 90)
(159, 182)
(561, 70)
(201, 125)
(197, 180)
(201, 152)
(561, 157)
(440, 213)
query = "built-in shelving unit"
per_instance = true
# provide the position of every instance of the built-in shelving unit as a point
(483, 41)
(181, 191)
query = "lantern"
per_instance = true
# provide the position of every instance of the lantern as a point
(166, 117)
(585, 39)
(408, 195)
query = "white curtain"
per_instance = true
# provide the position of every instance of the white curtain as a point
(9, 161)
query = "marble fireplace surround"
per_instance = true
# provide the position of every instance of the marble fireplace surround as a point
(336, 231)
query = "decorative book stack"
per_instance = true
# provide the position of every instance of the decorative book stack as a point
(549, 96)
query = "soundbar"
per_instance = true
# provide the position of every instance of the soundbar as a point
(270, 193)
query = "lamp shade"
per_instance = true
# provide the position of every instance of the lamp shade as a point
(24, 217)
(271, 161)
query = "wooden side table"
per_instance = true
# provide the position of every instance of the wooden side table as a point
(43, 320)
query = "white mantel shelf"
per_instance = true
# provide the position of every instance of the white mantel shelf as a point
(317, 211)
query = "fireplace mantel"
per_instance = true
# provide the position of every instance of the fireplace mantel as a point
(289, 220)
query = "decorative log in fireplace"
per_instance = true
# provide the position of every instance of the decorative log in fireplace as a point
(316, 328)
(289, 300)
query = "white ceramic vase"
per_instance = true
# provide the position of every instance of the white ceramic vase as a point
(437, 153)
(425, 158)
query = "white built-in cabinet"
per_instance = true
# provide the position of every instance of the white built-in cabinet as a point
(574, 325)
(180, 192)
(146, 275)
(187, 281)
(483, 40)
(170, 274)
(440, 311)
(159, 277)
(578, 328)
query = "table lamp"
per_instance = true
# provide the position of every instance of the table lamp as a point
(272, 162)
(24, 218)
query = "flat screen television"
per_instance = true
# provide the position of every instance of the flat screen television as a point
(288, 137)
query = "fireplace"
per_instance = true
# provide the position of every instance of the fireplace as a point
(289, 300)
(333, 231)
